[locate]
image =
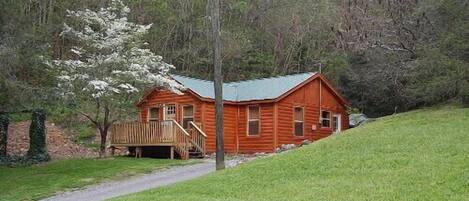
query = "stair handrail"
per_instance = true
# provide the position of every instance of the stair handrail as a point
(199, 140)
(180, 127)
(197, 128)
(181, 147)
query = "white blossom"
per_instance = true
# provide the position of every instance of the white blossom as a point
(64, 78)
(109, 59)
(76, 51)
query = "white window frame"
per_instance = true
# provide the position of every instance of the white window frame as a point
(321, 118)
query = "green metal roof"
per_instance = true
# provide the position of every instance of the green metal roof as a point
(249, 90)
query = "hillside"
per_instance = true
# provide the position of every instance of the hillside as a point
(413, 53)
(59, 144)
(419, 155)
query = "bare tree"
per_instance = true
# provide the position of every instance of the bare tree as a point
(218, 82)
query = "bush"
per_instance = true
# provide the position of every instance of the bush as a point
(15, 161)
(85, 132)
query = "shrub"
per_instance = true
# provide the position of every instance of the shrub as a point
(85, 132)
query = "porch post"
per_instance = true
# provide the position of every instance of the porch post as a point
(172, 152)
(138, 152)
(113, 150)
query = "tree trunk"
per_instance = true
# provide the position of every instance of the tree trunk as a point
(37, 137)
(218, 82)
(4, 121)
(102, 146)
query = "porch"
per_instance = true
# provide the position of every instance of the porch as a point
(185, 142)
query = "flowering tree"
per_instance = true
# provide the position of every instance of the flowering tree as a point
(108, 64)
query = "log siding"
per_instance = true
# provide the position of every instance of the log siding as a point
(276, 116)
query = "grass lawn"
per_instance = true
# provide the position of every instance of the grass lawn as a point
(420, 155)
(39, 181)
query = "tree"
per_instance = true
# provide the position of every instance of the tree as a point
(4, 121)
(37, 137)
(218, 83)
(108, 65)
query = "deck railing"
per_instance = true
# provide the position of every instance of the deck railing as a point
(142, 133)
(159, 133)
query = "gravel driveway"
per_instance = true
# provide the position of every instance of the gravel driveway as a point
(136, 184)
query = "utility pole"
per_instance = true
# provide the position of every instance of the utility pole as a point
(218, 83)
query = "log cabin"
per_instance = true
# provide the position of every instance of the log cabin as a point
(259, 115)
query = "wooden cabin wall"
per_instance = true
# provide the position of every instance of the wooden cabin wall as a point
(229, 120)
(158, 97)
(235, 129)
(276, 119)
(331, 103)
(285, 125)
(308, 97)
(264, 142)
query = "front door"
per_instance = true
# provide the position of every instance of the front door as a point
(336, 122)
(170, 112)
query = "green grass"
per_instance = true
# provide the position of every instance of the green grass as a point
(420, 155)
(39, 181)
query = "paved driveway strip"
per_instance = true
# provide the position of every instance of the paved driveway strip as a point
(136, 184)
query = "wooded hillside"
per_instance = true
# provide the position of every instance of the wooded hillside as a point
(384, 56)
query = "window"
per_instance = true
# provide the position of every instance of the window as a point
(154, 114)
(326, 119)
(253, 120)
(187, 115)
(299, 121)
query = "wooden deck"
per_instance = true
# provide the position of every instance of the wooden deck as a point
(159, 133)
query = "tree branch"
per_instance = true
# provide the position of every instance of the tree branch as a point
(106, 116)
(89, 118)
(98, 108)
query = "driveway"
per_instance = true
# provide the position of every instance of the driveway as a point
(136, 184)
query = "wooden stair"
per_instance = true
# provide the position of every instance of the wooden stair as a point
(198, 137)
(194, 153)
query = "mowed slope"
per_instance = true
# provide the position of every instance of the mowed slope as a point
(420, 155)
(45, 179)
